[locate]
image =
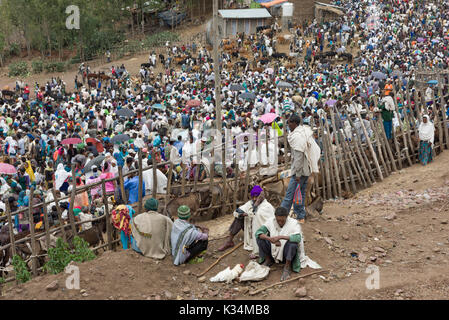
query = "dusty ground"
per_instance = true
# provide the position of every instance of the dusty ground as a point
(410, 248)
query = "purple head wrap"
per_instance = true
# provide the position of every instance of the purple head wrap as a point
(256, 191)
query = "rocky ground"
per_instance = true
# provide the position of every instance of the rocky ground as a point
(399, 225)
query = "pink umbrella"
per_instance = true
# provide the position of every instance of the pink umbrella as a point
(193, 103)
(71, 141)
(331, 102)
(7, 169)
(268, 118)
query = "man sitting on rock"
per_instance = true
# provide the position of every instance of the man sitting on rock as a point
(278, 240)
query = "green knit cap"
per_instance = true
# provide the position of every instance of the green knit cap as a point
(151, 204)
(184, 212)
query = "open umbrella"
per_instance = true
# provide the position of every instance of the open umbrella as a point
(149, 89)
(248, 96)
(331, 102)
(268, 117)
(96, 143)
(283, 84)
(125, 112)
(6, 168)
(435, 40)
(432, 82)
(193, 103)
(69, 141)
(269, 70)
(210, 77)
(417, 52)
(120, 138)
(94, 162)
(345, 28)
(158, 106)
(378, 75)
(421, 39)
(236, 87)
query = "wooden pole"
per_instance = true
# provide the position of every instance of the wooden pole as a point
(340, 157)
(333, 169)
(72, 202)
(443, 111)
(379, 147)
(219, 259)
(350, 162)
(47, 226)
(284, 130)
(408, 117)
(216, 58)
(140, 188)
(59, 211)
(11, 229)
(107, 216)
(237, 172)
(32, 233)
(248, 166)
(326, 162)
(370, 146)
(169, 182)
(404, 138)
(122, 185)
(153, 158)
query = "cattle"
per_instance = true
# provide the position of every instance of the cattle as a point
(146, 65)
(278, 55)
(191, 200)
(346, 56)
(261, 28)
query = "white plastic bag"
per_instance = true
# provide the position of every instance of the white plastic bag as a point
(254, 272)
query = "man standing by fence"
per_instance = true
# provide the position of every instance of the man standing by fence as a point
(305, 156)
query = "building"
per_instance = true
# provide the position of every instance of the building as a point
(242, 20)
(327, 12)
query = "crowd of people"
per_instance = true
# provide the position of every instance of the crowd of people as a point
(170, 111)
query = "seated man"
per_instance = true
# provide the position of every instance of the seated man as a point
(279, 241)
(186, 241)
(152, 231)
(249, 218)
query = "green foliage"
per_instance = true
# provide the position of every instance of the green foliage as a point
(14, 49)
(61, 256)
(159, 39)
(2, 280)
(37, 66)
(19, 69)
(55, 67)
(21, 270)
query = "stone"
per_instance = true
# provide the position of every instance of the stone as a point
(83, 291)
(244, 290)
(301, 292)
(202, 279)
(436, 249)
(186, 290)
(52, 286)
(168, 294)
(85, 294)
(345, 237)
(328, 240)
(302, 282)
(365, 249)
(379, 249)
(373, 258)
(444, 221)
(212, 293)
(362, 257)
(158, 297)
(391, 216)
(187, 272)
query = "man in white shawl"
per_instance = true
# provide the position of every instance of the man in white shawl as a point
(280, 240)
(249, 218)
(305, 156)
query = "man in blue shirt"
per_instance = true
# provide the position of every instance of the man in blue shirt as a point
(131, 186)
(185, 120)
(178, 145)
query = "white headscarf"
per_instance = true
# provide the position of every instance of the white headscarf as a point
(61, 175)
(427, 130)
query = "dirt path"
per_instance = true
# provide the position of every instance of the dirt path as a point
(410, 248)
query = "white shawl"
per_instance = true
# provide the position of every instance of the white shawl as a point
(252, 222)
(301, 139)
(427, 131)
(61, 175)
(291, 227)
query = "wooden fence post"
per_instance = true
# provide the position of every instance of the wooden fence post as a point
(140, 189)
(46, 225)
(154, 191)
(11, 228)
(72, 202)
(169, 182)
(107, 216)
(59, 211)
(340, 157)
(32, 233)
(122, 185)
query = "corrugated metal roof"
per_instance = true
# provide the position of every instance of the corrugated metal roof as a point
(244, 13)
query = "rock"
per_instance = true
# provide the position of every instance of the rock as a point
(168, 294)
(179, 298)
(186, 290)
(202, 279)
(20, 290)
(187, 272)
(345, 237)
(83, 291)
(85, 294)
(391, 216)
(212, 293)
(436, 249)
(245, 290)
(362, 257)
(373, 258)
(379, 249)
(365, 249)
(302, 282)
(398, 292)
(328, 240)
(301, 292)
(158, 297)
(444, 221)
(52, 286)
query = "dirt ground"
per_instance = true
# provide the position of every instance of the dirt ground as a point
(409, 246)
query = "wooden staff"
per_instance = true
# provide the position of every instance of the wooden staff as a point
(11, 229)
(139, 208)
(438, 123)
(404, 138)
(370, 146)
(237, 172)
(340, 158)
(59, 211)
(407, 117)
(32, 233)
(212, 168)
(248, 166)
(183, 178)
(107, 216)
(286, 281)
(284, 134)
(72, 202)
(153, 158)
(418, 106)
(122, 185)
(326, 163)
(224, 173)
(219, 259)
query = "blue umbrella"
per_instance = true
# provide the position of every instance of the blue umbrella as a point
(158, 106)
(433, 82)
(345, 28)
(378, 75)
(30, 136)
